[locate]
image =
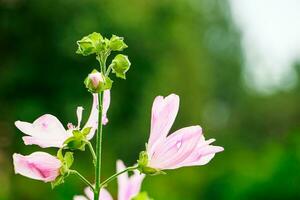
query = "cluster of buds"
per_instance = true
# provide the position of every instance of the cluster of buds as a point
(102, 47)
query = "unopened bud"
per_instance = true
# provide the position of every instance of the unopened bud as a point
(117, 43)
(120, 65)
(97, 82)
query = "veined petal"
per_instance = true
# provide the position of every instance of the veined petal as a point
(123, 181)
(39, 165)
(164, 112)
(43, 142)
(106, 103)
(202, 154)
(177, 147)
(46, 131)
(93, 118)
(128, 187)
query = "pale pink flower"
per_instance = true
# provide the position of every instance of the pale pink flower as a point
(128, 187)
(48, 131)
(184, 147)
(39, 166)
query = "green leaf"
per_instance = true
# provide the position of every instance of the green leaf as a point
(120, 65)
(117, 43)
(142, 196)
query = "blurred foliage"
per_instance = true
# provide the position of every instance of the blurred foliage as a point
(189, 47)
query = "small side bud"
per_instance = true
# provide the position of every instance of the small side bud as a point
(117, 43)
(143, 165)
(93, 43)
(96, 82)
(120, 65)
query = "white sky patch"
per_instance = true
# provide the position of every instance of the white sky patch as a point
(270, 31)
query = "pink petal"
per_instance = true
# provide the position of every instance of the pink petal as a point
(93, 118)
(128, 187)
(80, 197)
(202, 154)
(39, 166)
(164, 111)
(46, 131)
(79, 115)
(123, 181)
(176, 148)
(104, 194)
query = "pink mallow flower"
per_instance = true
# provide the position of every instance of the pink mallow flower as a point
(39, 166)
(48, 131)
(184, 147)
(128, 187)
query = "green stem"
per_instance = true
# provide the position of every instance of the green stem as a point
(92, 151)
(82, 178)
(98, 149)
(128, 169)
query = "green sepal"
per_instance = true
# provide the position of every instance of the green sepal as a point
(117, 43)
(143, 165)
(120, 65)
(90, 44)
(59, 180)
(86, 131)
(67, 161)
(142, 196)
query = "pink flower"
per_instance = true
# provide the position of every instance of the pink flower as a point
(128, 187)
(48, 131)
(184, 147)
(104, 195)
(39, 166)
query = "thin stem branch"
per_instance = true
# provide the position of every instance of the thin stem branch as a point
(128, 169)
(82, 178)
(92, 151)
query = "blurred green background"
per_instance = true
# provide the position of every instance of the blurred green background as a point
(187, 47)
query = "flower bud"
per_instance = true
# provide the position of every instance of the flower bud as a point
(97, 82)
(93, 43)
(117, 43)
(120, 65)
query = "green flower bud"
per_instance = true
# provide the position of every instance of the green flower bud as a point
(96, 82)
(120, 65)
(117, 43)
(143, 165)
(93, 43)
